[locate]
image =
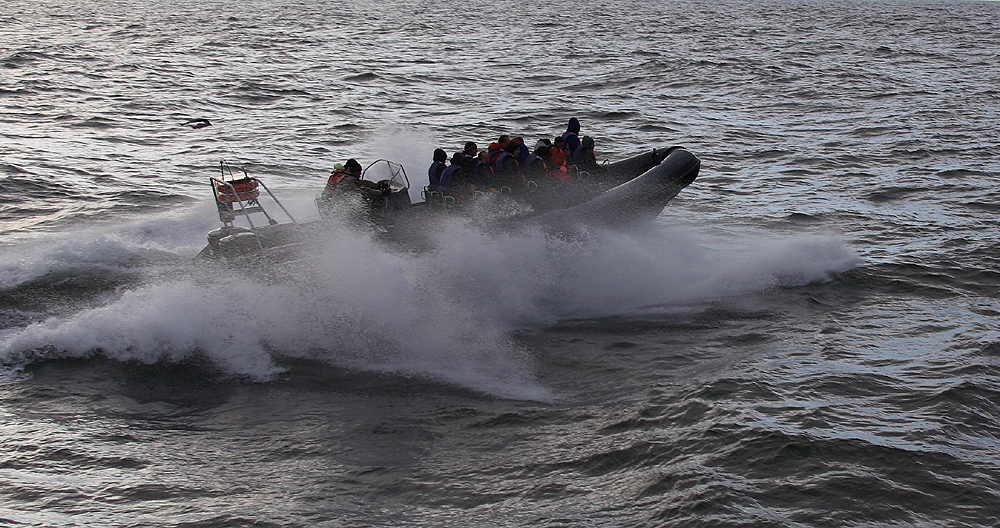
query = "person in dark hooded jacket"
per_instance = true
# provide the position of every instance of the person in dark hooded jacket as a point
(586, 157)
(436, 168)
(482, 176)
(571, 136)
(506, 167)
(453, 178)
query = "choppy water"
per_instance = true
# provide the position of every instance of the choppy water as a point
(807, 337)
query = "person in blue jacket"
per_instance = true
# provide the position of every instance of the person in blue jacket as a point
(571, 136)
(436, 168)
(453, 177)
(506, 167)
(482, 176)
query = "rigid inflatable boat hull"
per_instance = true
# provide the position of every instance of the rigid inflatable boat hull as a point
(635, 202)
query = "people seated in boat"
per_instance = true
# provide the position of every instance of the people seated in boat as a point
(506, 167)
(557, 160)
(346, 180)
(571, 136)
(544, 172)
(585, 158)
(466, 161)
(437, 167)
(522, 151)
(471, 149)
(498, 147)
(453, 178)
(339, 173)
(536, 166)
(482, 176)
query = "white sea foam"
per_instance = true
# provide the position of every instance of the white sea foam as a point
(447, 314)
(537, 279)
(358, 306)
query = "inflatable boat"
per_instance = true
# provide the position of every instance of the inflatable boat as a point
(620, 195)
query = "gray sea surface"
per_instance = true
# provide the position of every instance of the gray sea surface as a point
(806, 336)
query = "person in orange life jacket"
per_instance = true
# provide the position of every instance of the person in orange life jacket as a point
(557, 160)
(436, 168)
(558, 152)
(346, 178)
(541, 169)
(555, 181)
(571, 135)
(339, 173)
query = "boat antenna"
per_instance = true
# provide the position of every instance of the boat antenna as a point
(202, 123)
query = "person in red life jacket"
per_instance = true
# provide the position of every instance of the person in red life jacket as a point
(559, 150)
(346, 179)
(554, 181)
(497, 148)
(557, 160)
(336, 176)
(437, 167)
(571, 135)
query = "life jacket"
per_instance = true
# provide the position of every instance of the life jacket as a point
(494, 152)
(561, 174)
(464, 161)
(452, 176)
(505, 163)
(557, 158)
(434, 172)
(534, 166)
(246, 190)
(336, 176)
(482, 173)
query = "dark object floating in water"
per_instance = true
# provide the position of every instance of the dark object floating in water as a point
(198, 123)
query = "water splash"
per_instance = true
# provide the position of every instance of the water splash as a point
(447, 314)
